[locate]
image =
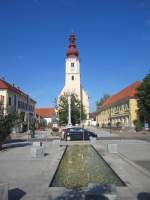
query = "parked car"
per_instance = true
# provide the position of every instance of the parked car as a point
(78, 134)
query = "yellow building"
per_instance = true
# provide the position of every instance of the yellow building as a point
(119, 109)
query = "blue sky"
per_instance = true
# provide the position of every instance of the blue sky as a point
(113, 39)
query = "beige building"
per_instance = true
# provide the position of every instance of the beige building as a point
(12, 99)
(119, 109)
(40, 121)
(72, 75)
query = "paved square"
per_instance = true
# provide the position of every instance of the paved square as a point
(29, 177)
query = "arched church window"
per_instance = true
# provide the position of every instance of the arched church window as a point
(72, 78)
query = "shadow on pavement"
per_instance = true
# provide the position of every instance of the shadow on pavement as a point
(15, 145)
(143, 196)
(15, 194)
(72, 195)
(8, 141)
(93, 193)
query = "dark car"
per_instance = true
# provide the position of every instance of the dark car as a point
(78, 134)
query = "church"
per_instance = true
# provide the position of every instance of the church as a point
(72, 75)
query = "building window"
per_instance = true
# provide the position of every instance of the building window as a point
(18, 104)
(9, 101)
(1, 100)
(72, 78)
(72, 67)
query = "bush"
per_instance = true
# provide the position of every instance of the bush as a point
(49, 125)
(54, 129)
(24, 127)
(138, 125)
(118, 125)
(6, 124)
(103, 125)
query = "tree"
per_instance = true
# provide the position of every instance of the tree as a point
(32, 127)
(102, 99)
(143, 98)
(77, 110)
(7, 122)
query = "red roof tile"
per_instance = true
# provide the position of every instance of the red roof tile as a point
(7, 86)
(124, 94)
(45, 112)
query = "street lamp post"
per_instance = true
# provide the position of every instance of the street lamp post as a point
(80, 113)
(110, 120)
(69, 110)
(28, 129)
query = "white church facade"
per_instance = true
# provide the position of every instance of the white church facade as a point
(72, 75)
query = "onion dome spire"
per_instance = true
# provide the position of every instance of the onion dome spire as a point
(72, 50)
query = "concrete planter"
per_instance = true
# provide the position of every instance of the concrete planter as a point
(37, 152)
(112, 148)
(36, 144)
(56, 142)
(93, 140)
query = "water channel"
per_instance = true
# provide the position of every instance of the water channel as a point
(82, 165)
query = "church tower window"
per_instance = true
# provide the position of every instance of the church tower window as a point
(72, 67)
(72, 64)
(72, 78)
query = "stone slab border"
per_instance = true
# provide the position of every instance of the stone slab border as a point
(141, 169)
(55, 165)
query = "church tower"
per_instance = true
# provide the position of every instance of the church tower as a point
(72, 74)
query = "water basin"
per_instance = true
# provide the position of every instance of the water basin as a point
(82, 165)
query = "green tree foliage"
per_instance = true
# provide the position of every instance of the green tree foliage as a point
(6, 123)
(102, 99)
(32, 127)
(143, 96)
(138, 125)
(76, 109)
